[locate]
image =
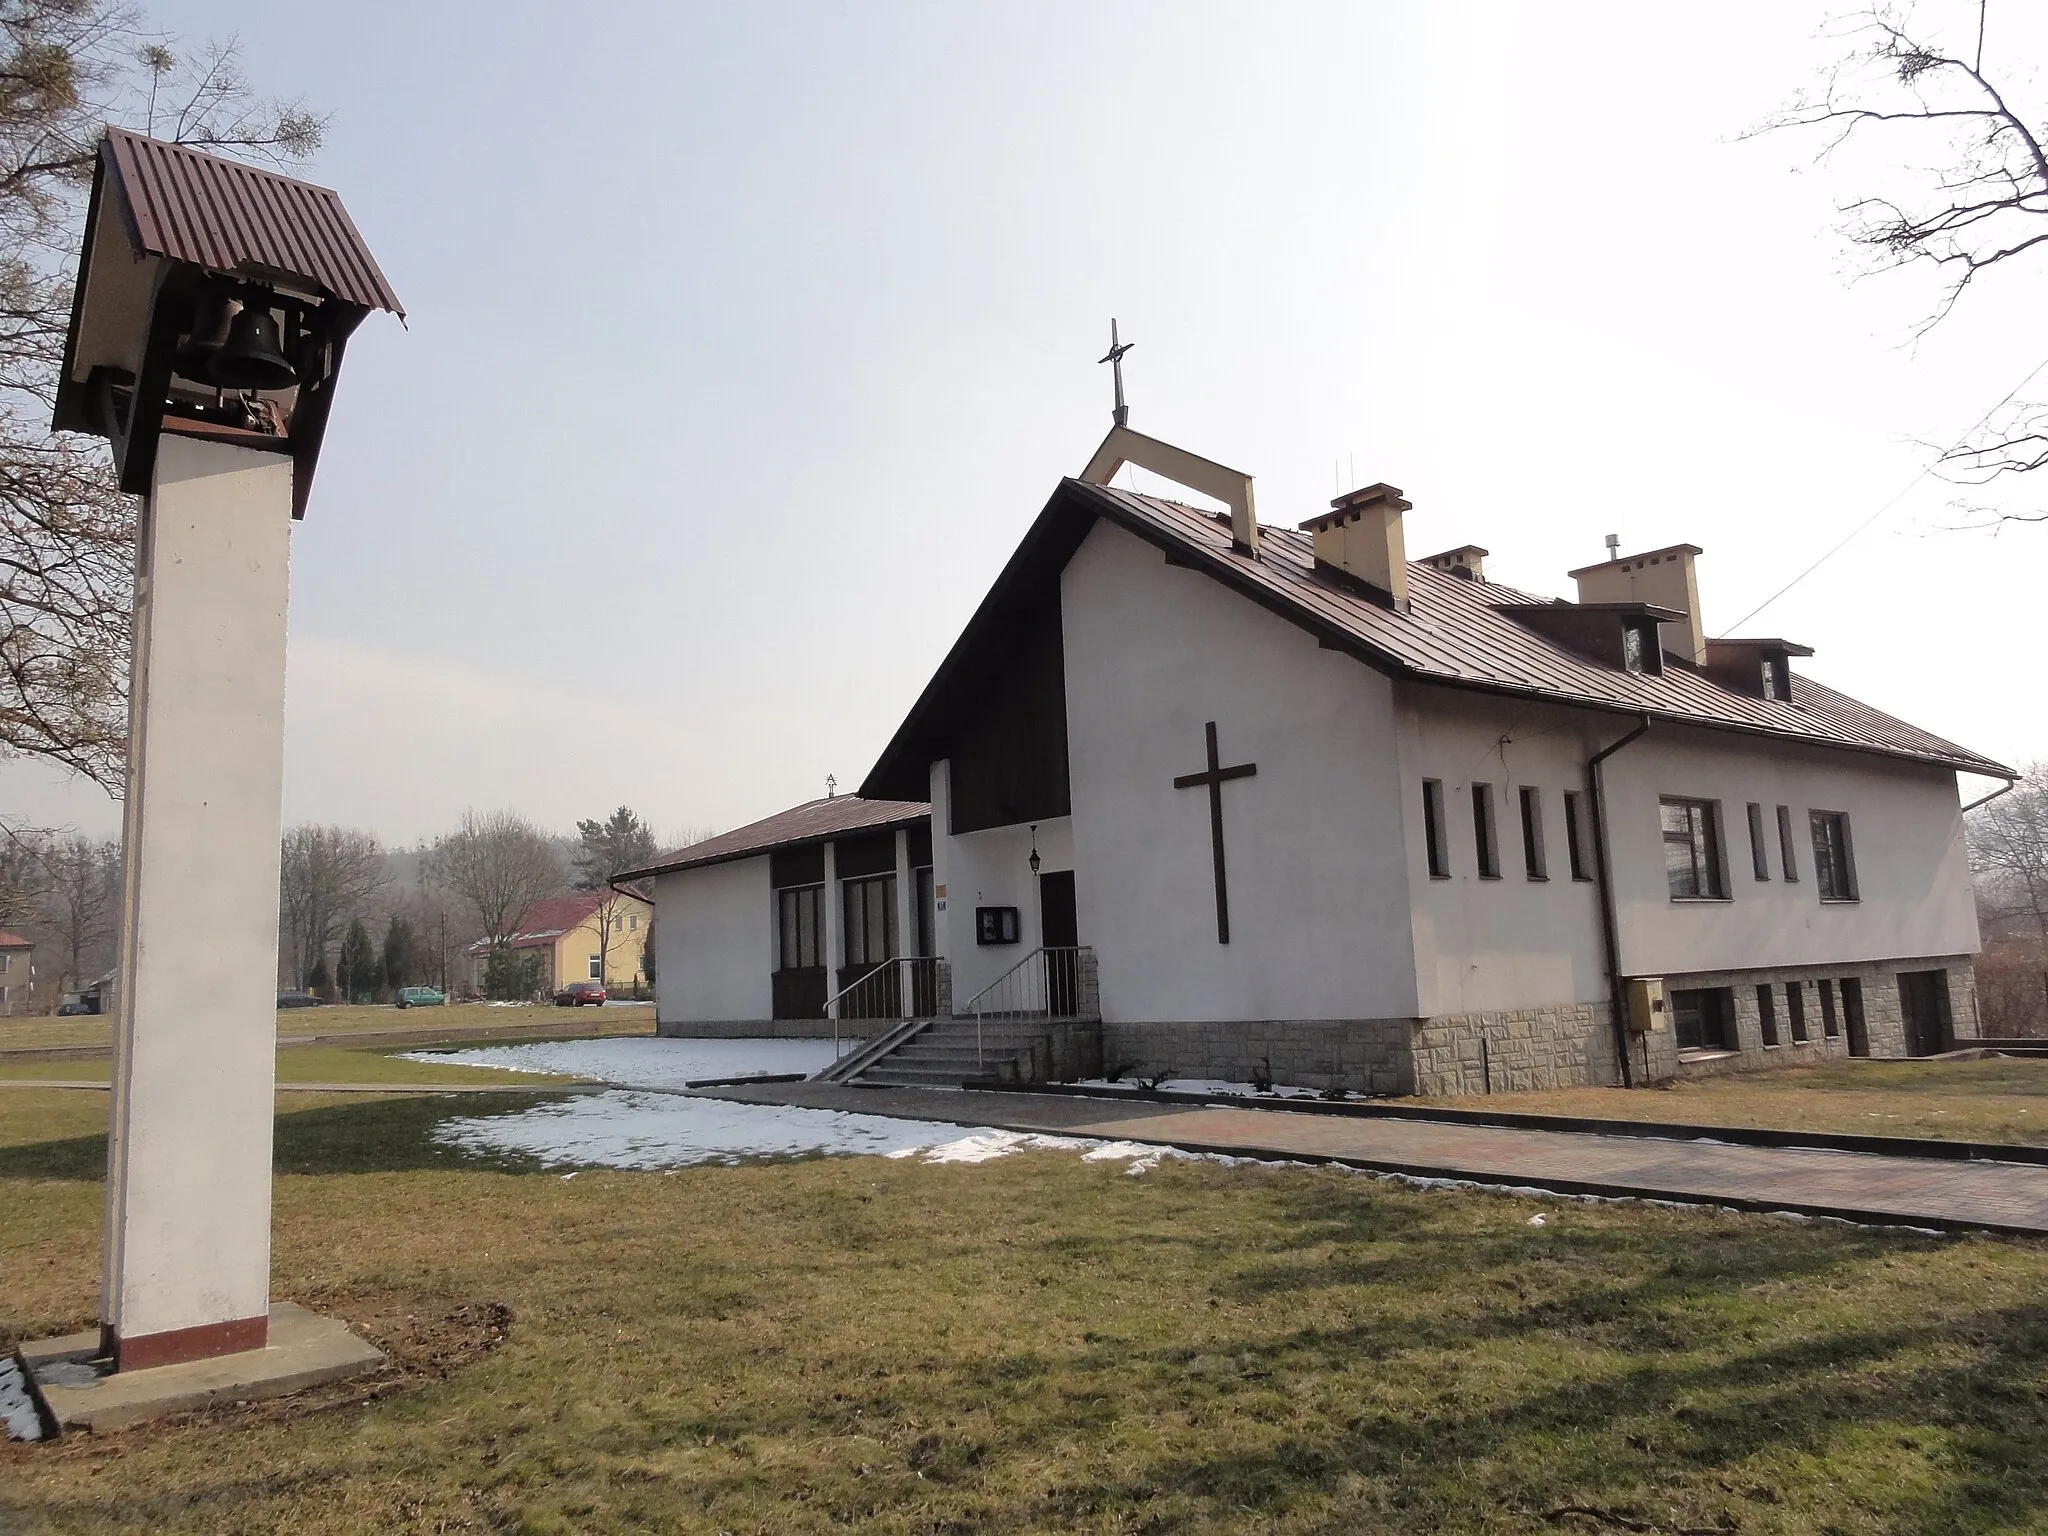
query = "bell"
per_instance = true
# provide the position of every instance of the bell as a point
(212, 317)
(251, 358)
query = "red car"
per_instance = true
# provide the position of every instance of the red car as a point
(577, 993)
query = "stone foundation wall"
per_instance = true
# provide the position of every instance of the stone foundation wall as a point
(1883, 1016)
(1358, 1055)
(1566, 1045)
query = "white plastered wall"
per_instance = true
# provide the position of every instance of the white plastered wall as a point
(1906, 829)
(1317, 875)
(714, 937)
(1510, 942)
(993, 869)
(188, 1212)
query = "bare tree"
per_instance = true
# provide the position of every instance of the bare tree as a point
(497, 864)
(67, 68)
(1964, 129)
(80, 899)
(326, 876)
(2009, 852)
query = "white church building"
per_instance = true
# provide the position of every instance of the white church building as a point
(1236, 802)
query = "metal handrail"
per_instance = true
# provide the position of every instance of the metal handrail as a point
(902, 969)
(1012, 992)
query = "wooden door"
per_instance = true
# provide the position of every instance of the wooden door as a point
(1923, 1007)
(1059, 928)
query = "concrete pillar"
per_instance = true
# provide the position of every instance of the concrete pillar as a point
(906, 928)
(186, 1262)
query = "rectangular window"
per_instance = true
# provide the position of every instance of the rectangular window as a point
(1795, 1010)
(1788, 851)
(633, 923)
(801, 927)
(1433, 829)
(1834, 870)
(870, 919)
(1704, 1018)
(597, 968)
(1829, 1025)
(1533, 859)
(1759, 849)
(1692, 850)
(1575, 833)
(1767, 1014)
(1484, 837)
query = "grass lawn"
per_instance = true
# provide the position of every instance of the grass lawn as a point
(1995, 1100)
(471, 1020)
(1042, 1344)
(305, 1064)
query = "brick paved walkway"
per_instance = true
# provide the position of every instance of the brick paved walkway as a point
(2008, 1197)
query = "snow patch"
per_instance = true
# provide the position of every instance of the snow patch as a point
(641, 1062)
(17, 1407)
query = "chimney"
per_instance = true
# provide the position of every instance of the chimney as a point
(1663, 577)
(1361, 536)
(1467, 560)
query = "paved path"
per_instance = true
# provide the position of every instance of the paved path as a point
(1859, 1186)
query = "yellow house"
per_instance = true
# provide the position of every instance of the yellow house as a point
(584, 936)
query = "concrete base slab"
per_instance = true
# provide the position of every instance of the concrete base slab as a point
(305, 1349)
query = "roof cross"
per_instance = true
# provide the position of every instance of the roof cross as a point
(1115, 358)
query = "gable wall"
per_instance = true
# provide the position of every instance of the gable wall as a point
(1317, 874)
(714, 943)
(1905, 826)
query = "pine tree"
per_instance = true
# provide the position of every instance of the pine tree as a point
(359, 970)
(318, 981)
(401, 953)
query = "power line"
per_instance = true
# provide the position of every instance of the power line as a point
(1896, 499)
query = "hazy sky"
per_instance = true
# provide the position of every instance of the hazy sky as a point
(747, 339)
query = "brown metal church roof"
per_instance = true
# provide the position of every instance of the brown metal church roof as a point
(815, 821)
(231, 217)
(1454, 633)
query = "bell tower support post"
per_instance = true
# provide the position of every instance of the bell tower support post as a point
(187, 1254)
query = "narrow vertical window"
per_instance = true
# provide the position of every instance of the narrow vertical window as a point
(1692, 850)
(1833, 871)
(1575, 834)
(1484, 834)
(1788, 850)
(1852, 1016)
(1829, 1026)
(1767, 1013)
(1795, 1010)
(1533, 859)
(1759, 848)
(1433, 829)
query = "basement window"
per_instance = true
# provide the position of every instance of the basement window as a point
(1795, 1010)
(1767, 1014)
(1704, 1018)
(1829, 1025)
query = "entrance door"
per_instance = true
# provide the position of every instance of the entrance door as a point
(1059, 925)
(1923, 1007)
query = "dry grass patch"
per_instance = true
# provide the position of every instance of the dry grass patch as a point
(1042, 1344)
(307, 1064)
(1998, 1100)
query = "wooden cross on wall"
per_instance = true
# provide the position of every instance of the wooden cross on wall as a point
(1213, 778)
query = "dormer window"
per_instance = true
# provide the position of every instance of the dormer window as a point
(1640, 651)
(1777, 677)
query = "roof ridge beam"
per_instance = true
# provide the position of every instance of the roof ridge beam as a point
(1232, 487)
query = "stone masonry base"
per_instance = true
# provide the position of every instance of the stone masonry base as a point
(765, 1029)
(1562, 1045)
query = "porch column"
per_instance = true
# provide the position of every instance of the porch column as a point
(906, 902)
(833, 956)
